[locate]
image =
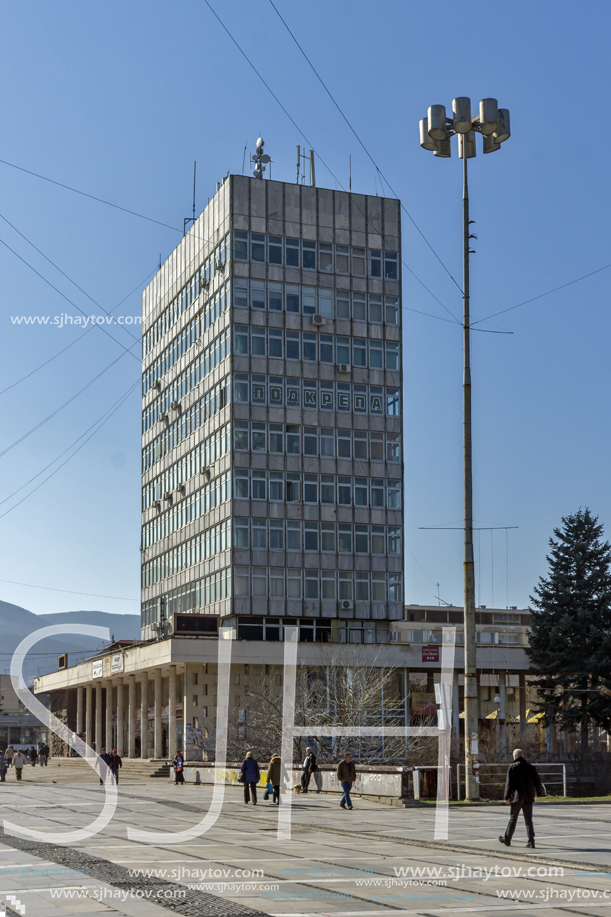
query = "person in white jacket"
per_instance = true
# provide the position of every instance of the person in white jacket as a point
(18, 763)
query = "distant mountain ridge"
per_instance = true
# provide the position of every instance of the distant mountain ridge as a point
(17, 622)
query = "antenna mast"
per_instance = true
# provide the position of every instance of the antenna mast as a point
(192, 218)
(260, 158)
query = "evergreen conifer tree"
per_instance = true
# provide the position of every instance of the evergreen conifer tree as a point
(570, 637)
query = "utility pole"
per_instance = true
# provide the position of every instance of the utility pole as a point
(435, 133)
(471, 699)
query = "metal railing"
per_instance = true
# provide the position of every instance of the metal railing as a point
(547, 776)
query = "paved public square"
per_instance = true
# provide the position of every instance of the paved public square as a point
(368, 861)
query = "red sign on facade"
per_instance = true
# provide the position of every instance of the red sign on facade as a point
(430, 654)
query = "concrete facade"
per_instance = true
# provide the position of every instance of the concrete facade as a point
(172, 683)
(272, 419)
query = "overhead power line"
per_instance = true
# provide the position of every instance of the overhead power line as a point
(93, 595)
(100, 200)
(302, 133)
(376, 166)
(57, 457)
(65, 404)
(79, 338)
(63, 273)
(98, 426)
(63, 295)
(541, 295)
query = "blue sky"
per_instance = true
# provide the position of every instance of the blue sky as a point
(119, 100)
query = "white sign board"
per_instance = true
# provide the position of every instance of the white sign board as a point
(97, 668)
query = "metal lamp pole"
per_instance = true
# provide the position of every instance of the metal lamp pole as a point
(435, 133)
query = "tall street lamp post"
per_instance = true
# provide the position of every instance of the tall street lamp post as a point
(436, 130)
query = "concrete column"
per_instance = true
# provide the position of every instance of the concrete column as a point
(79, 710)
(406, 703)
(144, 716)
(98, 716)
(455, 707)
(522, 699)
(158, 732)
(131, 717)
(120, 717)
(172, 713)
(109, 713)
(503, 712)
(88, 717)
(186, 720)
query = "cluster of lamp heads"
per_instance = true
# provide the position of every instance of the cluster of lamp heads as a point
(491, 122)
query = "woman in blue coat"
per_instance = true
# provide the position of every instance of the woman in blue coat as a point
(250, 770)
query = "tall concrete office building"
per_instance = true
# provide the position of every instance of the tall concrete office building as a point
(272, 462)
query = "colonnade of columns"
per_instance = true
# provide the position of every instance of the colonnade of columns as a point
(117, 695)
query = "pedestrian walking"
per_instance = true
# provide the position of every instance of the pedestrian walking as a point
(346, 774)
(44, 755)
(19, 760)
(274, 776)
(9, 754)
(114, 763)
(178, 764)
(2, 767)
(105, 757)
(523, 784)
(33, 756)
(309, 766)
(252, 774)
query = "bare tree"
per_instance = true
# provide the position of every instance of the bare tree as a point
(346, 688)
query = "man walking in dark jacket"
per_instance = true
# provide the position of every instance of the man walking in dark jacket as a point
(522, 785)
(346, 776)
(309, 766)
(114, 762)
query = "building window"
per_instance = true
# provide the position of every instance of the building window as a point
(259, 582)
(325, 257)
(342, 259)
(309, 256)
(240, 246)
(391, 271)
(276, 534)
(257, 246)
(358, 261)
(292, 254)
(293, 584)
(258, 485)
(259, 533)
(344, 540)
(375, 264)
(275, 249)
(241, 534)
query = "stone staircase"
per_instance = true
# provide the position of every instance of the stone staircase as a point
(138, 768)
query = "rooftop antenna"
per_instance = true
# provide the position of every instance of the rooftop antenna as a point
(298, 161)
(244, 156)
(312, 171)
(260, 158)
(350, 175)
(192, 218)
